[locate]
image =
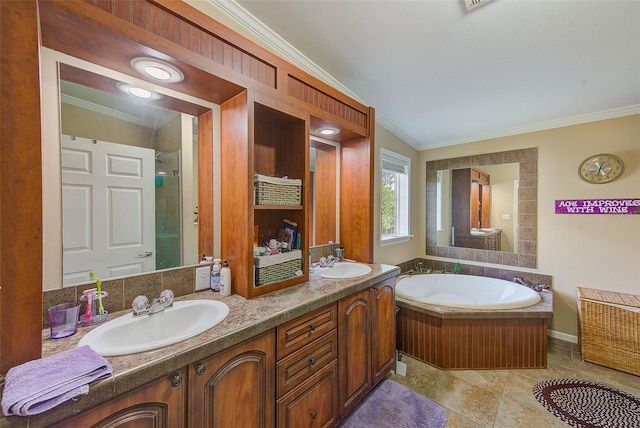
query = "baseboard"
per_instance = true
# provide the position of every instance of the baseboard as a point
(562, 336)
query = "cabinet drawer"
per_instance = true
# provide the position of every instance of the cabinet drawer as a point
(305, 329)
(314, 404)
(304, 363)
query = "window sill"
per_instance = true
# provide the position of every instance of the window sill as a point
(395, 240)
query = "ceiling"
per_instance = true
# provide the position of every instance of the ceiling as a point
(438, 74)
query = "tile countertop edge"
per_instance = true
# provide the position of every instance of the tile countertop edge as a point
(542, 309)
(247, 318)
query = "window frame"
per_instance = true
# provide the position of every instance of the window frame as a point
(403, 162)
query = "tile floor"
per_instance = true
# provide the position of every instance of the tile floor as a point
(503, 398)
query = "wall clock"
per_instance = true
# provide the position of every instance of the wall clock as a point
(600, 169)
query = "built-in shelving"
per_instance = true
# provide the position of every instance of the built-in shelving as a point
(277, 136)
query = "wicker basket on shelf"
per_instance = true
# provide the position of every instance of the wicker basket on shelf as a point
(277, 191)
(277, 268)
(609, 329)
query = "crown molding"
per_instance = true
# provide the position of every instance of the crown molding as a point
(277, 44)
(540, 126)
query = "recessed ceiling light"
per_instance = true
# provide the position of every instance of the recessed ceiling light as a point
(138, 92)
(327, 130)
(157, 69)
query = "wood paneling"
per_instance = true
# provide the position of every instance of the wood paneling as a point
(356, 194)
(21, 182)
(81, 30)
(163, 23)
(237, 233)
(325, 102)
(481, 343)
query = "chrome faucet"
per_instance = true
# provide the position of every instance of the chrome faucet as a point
(141, 305)
(327, 261)
(535, 287)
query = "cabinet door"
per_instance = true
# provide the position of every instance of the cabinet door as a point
(354, 350)
(313, 404)
(159, 404)
(235, 388)
(383, 329)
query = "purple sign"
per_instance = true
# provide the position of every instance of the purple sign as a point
(598, 206)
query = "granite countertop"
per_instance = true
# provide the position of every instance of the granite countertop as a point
(246, 319)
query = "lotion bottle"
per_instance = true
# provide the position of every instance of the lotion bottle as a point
(225, 279)
(215, 275)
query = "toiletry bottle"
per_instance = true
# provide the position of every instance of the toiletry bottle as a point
(215, 275)
(225, 279)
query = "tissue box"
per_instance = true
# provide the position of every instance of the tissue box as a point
(277, 191)
(277, 268)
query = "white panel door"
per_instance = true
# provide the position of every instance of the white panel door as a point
(108, 218)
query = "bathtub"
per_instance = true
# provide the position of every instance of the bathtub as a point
(460, 322)
(466, 291)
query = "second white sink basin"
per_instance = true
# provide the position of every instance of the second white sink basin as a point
(342, 270)
(128, 334)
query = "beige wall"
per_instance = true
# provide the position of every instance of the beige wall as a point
(398, 253)
(599, 251)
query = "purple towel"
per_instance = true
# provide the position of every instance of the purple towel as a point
(39, 385)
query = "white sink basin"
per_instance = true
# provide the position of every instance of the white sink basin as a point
(342, 270)
(128, 334)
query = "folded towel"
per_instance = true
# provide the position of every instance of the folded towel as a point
(39, 385)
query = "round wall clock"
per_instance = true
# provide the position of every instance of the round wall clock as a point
(602, 168)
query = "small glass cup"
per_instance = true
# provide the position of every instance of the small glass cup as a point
(63, 320)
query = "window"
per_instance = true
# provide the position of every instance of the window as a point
(394, 200)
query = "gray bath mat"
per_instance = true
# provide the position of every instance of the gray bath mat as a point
(392, 405)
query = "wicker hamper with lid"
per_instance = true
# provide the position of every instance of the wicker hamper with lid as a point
(609, 329)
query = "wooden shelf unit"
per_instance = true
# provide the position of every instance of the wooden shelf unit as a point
(277, 136)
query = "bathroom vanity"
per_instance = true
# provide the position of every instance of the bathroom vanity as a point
(290, 358)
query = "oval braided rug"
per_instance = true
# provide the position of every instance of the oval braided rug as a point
(585, 404)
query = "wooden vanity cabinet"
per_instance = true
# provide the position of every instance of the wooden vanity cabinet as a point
(235, 387)
(383, 330)
(366, 326)
(307, 386)
(159, 404)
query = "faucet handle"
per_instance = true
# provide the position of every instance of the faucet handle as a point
(140, 305)
(166, 297)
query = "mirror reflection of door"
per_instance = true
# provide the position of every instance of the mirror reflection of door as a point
(108, 209)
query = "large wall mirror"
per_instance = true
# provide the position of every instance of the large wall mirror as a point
(484, 208)
(325, 191)
(120, 173)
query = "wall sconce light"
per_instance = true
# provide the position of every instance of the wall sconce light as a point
(157, 69)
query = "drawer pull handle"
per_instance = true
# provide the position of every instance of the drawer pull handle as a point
(200, 369)
(313, 414)
(313, 327)
(176, 381)
(312, 362)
